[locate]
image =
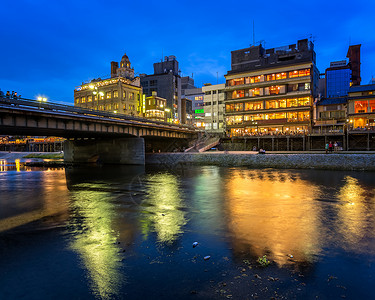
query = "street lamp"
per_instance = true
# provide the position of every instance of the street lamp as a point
(167, 110)
(97, 93)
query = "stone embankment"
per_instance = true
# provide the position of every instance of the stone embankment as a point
(339, 161)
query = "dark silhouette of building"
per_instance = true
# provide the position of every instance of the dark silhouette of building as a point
(166, 81)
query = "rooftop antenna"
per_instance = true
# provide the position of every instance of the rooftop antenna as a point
(253, 33)
(217, 77)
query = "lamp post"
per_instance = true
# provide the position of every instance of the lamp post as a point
(96, 93)
(167, 110)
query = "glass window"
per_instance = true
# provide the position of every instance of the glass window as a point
(292, 102)
(89, 99)
(131, 96)
(360, 106)
(372, 105)
(109, 95)
(77, 100)
(83, 99)
(292, 117)
(238, 81)
(253, 105)
(124, 94)
(115, 94)
(255, 92)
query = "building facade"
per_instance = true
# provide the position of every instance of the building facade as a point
(361, 107)
(154, 108)
(338, 79)
(197, 98)
(214, 107)
(271, 91)
(166, 81)
(122, 93)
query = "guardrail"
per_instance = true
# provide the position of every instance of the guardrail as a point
(63, 108)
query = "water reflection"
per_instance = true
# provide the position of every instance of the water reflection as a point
(163, 208)
(355, 214)
(94, 223)
(273, 213)
(96, 241)
(25, 200)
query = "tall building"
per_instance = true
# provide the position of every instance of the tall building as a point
(338, 79)
(120, 93)
(187, 83)
(214, 108)
(166, 81)
(271, 91)
(154, 108)
(196, 96)
(354, 55)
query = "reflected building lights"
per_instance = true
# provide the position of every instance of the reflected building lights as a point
(163, 210)
(273, 217)
(96, 241)
(353, 215)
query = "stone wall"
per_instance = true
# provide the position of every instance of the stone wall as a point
(284, 161)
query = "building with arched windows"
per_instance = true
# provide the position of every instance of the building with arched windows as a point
(121, 93)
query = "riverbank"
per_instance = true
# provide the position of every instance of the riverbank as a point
(279, 160)
(348, 161)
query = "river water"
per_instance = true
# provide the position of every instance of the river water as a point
(120, 232)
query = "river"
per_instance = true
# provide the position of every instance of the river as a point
(115, 232)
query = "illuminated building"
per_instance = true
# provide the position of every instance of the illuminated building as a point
(214, 108)
(166, 81)
(186, 111)
(122, 93)
(196, 96)
(155, 108)
(271, 90)
(331, 109)
(361, 107)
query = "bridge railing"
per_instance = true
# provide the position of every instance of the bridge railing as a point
(57, 107)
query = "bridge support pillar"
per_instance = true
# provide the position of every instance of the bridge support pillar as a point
(126, 151)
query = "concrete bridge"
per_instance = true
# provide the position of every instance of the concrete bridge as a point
(91, 134)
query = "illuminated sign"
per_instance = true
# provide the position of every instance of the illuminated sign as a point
(199, 111)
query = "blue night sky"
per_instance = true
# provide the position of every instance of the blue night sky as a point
(50, 47)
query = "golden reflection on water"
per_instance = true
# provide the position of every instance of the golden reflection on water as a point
(51, 202)
(355, 211)
(162, 208)
(273, 213)
(96, 241)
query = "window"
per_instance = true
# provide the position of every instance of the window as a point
(124, 94)
(83, 99)
(198, 98)
(360, 106)
(238, 81)
(213, 92)
(115, 94)
(145, 83)
(253, 105)
(115, 106)
(255, 92)
(109, 95)
(89, 99)
(153, 82)
(77, 100)
(207, 93)
(299, 73)
(131, 96)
